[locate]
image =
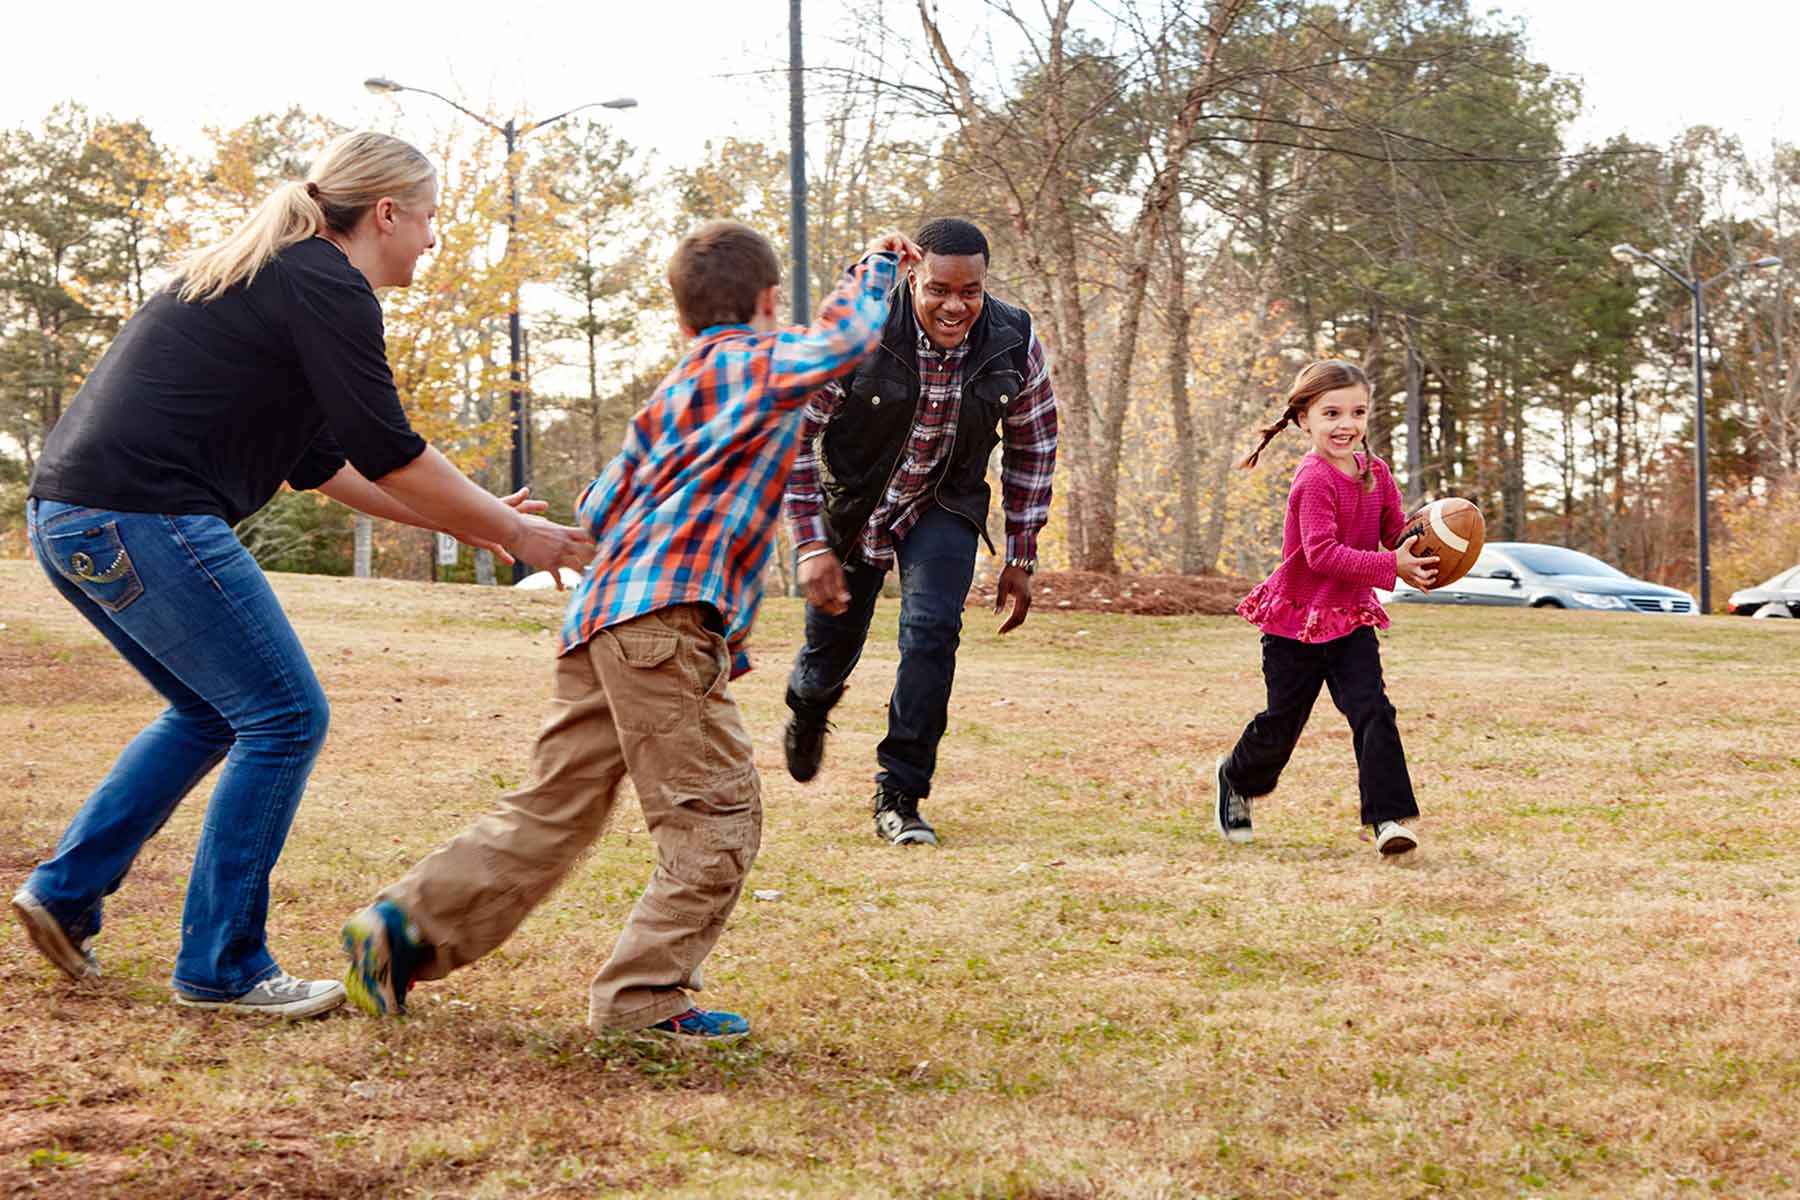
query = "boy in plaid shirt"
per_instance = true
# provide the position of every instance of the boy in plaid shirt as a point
(682, 521)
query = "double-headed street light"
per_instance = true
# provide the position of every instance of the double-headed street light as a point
(512, 131)
(1625, 253)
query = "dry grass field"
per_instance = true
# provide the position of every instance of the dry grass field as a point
(1584, 984)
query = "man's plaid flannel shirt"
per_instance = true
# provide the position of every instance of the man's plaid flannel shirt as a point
(1027, 457)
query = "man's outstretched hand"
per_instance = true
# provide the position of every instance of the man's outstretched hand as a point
(1015, 584)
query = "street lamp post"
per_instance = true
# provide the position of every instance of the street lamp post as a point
(1625, 252)
(797, 164)
(511, 132)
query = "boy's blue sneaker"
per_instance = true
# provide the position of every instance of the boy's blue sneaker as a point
(384, 947)
(700, 1023)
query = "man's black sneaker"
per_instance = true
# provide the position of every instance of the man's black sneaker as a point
(804, 743)
(897, 820)
(1233, 810)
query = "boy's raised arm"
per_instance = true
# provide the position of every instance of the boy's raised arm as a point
(601, 498)
(847, 327)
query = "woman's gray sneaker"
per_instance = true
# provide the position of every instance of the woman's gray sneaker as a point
(279, 996)
(77, 962)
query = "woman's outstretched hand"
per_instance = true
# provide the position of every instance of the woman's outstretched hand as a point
(521, 500)
(550, 546)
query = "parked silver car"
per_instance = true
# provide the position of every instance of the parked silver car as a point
(1777, 597)
(1536, 575)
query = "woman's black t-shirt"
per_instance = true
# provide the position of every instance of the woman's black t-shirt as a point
(207, 408)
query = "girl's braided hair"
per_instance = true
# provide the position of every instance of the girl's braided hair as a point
(1313, 381)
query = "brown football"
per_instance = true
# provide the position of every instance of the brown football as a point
(1451, 529)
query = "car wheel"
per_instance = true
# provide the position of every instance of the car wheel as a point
(1773, 609)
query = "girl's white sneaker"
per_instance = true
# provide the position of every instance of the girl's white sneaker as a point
(1391, 837)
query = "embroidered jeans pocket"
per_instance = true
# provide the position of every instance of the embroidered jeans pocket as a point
(94, 559)
(656, 691)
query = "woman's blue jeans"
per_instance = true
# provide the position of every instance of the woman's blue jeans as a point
(191, 611)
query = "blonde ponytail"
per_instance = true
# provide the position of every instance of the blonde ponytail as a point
(290, 215)
(353, 173)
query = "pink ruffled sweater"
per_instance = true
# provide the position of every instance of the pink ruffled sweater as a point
(1331, 556)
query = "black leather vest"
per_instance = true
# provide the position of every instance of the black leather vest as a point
(861, 447)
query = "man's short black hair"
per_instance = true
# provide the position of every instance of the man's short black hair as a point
(948, 235)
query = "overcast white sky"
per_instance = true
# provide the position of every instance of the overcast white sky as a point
(699, 67)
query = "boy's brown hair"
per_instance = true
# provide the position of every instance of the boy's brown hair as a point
(717, 273)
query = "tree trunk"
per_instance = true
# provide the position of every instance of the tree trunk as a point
(1074, 403)
(1415, 417)
(1218, 493)
(1100, 551)
(1160, 200)
(1381, 425)
(362, 546)
(1179, 322)
(593, 370)
(1568, 470)
(1512, 420)
(1043, 209)
(484, 568)
(1447, 478)
(781, 558)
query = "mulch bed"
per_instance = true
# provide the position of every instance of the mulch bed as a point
(1138, 595)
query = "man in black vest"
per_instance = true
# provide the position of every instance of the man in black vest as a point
(892, 470)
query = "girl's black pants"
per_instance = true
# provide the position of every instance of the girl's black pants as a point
(1351, 667)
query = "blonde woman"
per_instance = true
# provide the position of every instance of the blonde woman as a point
(263, 363)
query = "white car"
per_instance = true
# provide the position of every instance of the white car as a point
(542, 581)
(1537, 575)
(1777, 597)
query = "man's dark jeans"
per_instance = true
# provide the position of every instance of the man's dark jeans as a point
(1351, 667)
(937, 564)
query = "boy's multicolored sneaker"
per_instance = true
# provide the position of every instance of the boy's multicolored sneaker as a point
(701, 1023)
(384, 947)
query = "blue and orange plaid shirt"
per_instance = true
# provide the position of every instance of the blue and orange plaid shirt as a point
(685, 513)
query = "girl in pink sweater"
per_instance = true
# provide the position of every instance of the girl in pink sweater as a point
(1318, 611)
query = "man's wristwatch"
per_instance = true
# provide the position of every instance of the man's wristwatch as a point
(1027, 565)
